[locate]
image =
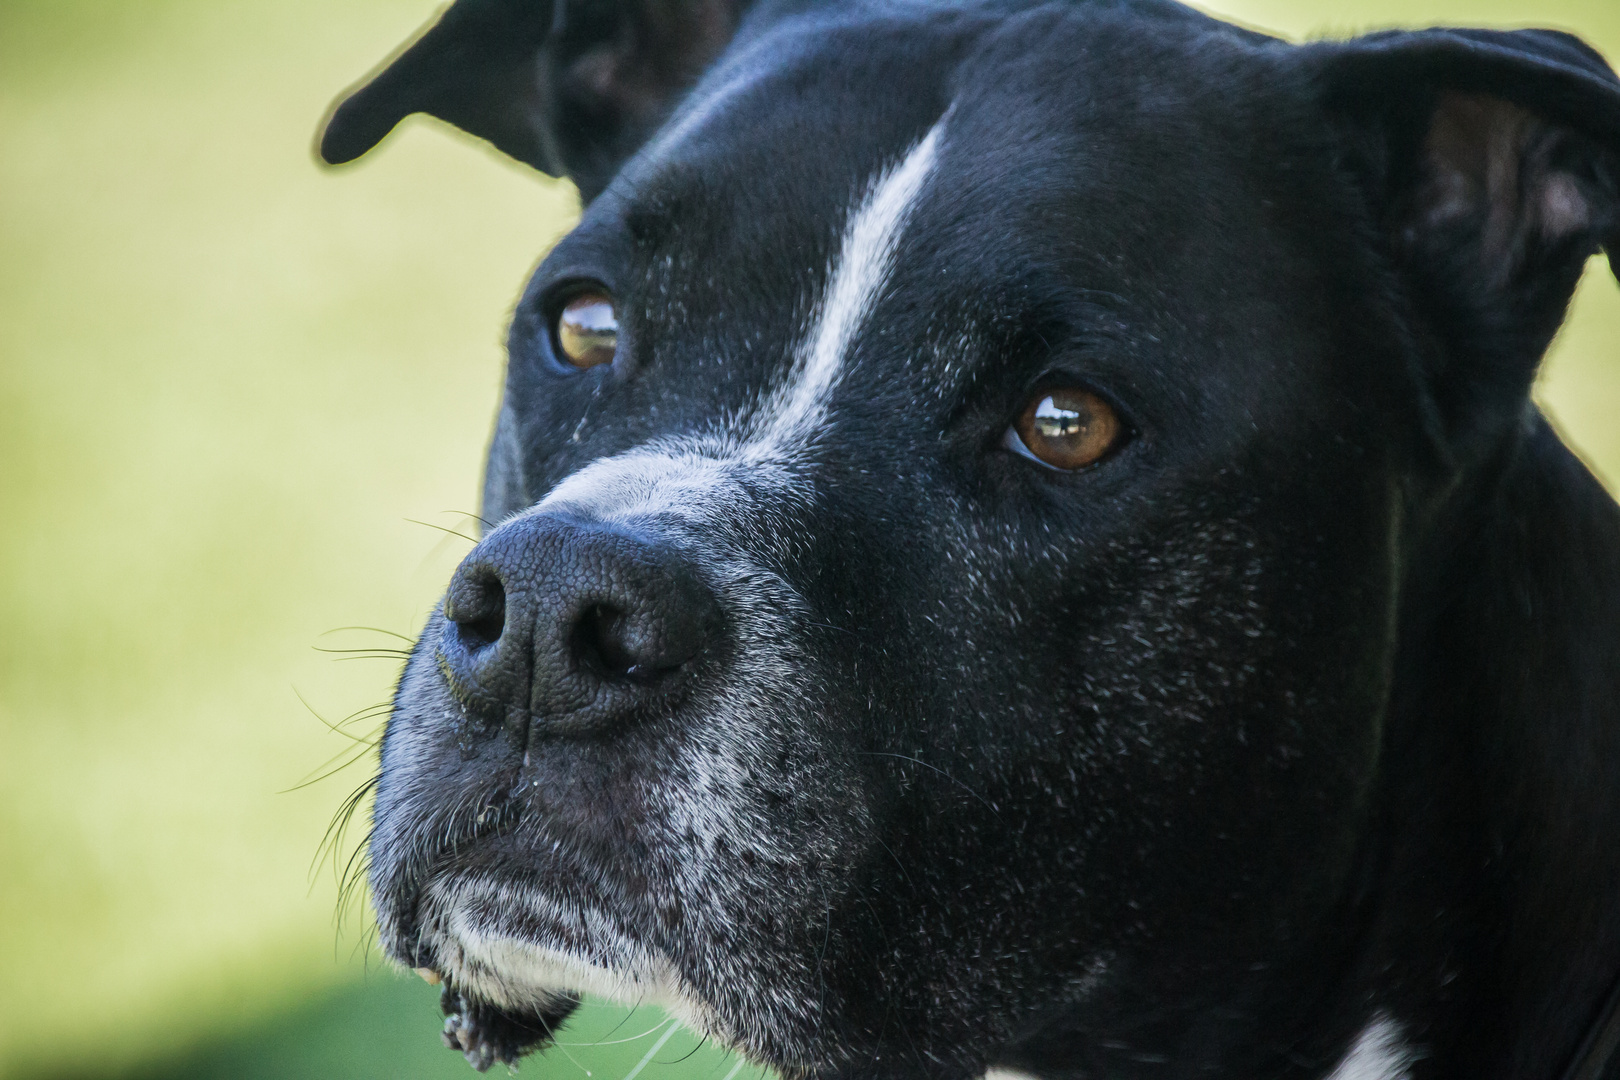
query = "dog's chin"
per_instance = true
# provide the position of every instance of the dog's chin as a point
(507, 946)
(486, 1033)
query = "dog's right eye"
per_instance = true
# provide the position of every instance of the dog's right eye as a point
(1066, 429)
(587, 330)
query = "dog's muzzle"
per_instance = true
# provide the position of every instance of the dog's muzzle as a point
(617, 765)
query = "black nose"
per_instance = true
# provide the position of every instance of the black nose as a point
(572, 624)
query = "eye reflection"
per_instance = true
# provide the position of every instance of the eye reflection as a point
(1066, 429)
(1054, 421)
(587, 330)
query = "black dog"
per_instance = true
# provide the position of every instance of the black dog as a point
(1024, 543)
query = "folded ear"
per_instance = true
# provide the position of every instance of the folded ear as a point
(571, 87)
(1492, 164)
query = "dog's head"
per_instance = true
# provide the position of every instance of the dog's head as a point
(951, 507)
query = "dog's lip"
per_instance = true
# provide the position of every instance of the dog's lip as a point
(557, 853)
(501, 813)
(511, 947)
(441, 868)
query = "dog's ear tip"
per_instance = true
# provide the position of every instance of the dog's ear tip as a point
(350, 130)
(333, 152)
(338, 147)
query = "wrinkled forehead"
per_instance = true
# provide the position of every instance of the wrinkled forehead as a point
(835, 92)
(756, 175)
(1061, 130)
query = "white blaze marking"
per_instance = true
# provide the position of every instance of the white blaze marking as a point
(1379, 1054)
(854, 285)
(693, 475)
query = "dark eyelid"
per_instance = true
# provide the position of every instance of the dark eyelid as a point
(563, 287)
(1051, 379)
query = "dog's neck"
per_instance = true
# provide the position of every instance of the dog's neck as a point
(1492, 932)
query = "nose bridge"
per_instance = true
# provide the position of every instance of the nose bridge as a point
(725, 502)
(657, 487)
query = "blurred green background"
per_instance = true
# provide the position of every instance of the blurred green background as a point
(239, 399)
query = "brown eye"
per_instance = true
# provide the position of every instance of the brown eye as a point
(588, 330)
(1066, 429)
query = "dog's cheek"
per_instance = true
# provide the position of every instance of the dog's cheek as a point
(1253, 707)
(726, 841)
(1238, 710)
(763, 843)
(1120, 745)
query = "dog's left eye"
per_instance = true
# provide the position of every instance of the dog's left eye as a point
(1065, 429)
(587, 330)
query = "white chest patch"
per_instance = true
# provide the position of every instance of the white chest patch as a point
(1379, 1053)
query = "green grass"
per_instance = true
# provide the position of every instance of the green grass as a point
(386, 1027)
(228, 382)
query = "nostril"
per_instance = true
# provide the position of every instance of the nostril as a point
(663, 630)
(599, 642)
(476, 604)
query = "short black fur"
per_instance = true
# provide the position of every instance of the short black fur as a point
(1288, 732)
